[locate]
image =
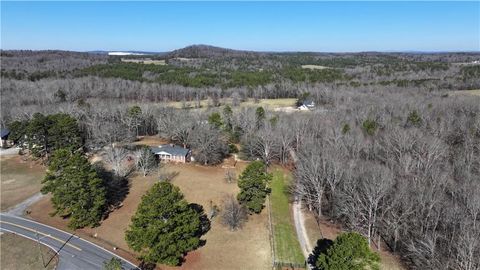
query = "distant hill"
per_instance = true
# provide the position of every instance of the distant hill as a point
(207, 51)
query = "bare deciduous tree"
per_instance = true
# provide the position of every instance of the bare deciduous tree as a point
(233, 214)
(230, 176)
(145, 160)
(117, 158)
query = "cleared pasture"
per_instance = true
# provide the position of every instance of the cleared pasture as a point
(465, 92)
(19, 180)
(268, 103)
(19, 253)
(314, 67)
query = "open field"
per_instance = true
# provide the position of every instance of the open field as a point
(313, 67)
(328, 230)
(144, 61)
(465, 92)
(268, 103)
(287, 248)
(19, 180)
(18, 253)
(248, 248)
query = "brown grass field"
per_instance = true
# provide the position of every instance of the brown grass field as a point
(18, 253)
(465, 92)
(314, 67)
(19, 180)
(266, 103)
(248, 248)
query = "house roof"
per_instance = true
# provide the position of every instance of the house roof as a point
(173, 150)
(308, 102)
(4, 133)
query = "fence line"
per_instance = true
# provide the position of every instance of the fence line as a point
(278, 265)
(271, 232)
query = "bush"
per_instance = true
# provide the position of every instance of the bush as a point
(370, 126)
(414, 119)
(350, 251)
(232, 148)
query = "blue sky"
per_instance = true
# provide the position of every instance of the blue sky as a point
(265, 26)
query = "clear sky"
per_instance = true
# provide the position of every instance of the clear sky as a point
(265, 26)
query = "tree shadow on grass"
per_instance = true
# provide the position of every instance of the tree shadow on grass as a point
(117, 188)
(204, 221)
(321, 248)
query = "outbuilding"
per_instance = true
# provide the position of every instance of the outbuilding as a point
(5, 132)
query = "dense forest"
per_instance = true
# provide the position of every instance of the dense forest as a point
(388, 151)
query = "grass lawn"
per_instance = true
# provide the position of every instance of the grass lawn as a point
(287, 248)
(19, 180)
(18, 253)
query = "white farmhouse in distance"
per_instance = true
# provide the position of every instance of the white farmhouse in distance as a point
(306, 105)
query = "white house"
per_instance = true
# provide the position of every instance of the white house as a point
(171, 152)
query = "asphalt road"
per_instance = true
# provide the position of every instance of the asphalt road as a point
(74, 252)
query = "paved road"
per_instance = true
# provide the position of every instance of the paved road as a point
(75, 253)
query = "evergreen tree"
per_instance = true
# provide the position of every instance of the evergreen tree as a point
(260, 116)
(63, 132)
(350, 251)
(345, 128)
(77, 191)
(370, 126)
(18, 129)
(227, 116)
(165, 227)
(113, 264)
(45, 134)
(253, 186)
(215, 120)
(414, 119)
(134, 114)
(37, 135)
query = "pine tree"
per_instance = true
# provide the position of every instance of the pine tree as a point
(45, 134)
(113, 264)
(134, 114)
(165, 227)
(77, 191)
(350, 251)
(253, 184)
(215, 119)
(414, 119)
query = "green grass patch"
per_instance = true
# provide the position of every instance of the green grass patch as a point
(287, 247)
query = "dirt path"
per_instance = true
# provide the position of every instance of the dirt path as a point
(9, 152)
(301, 231)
